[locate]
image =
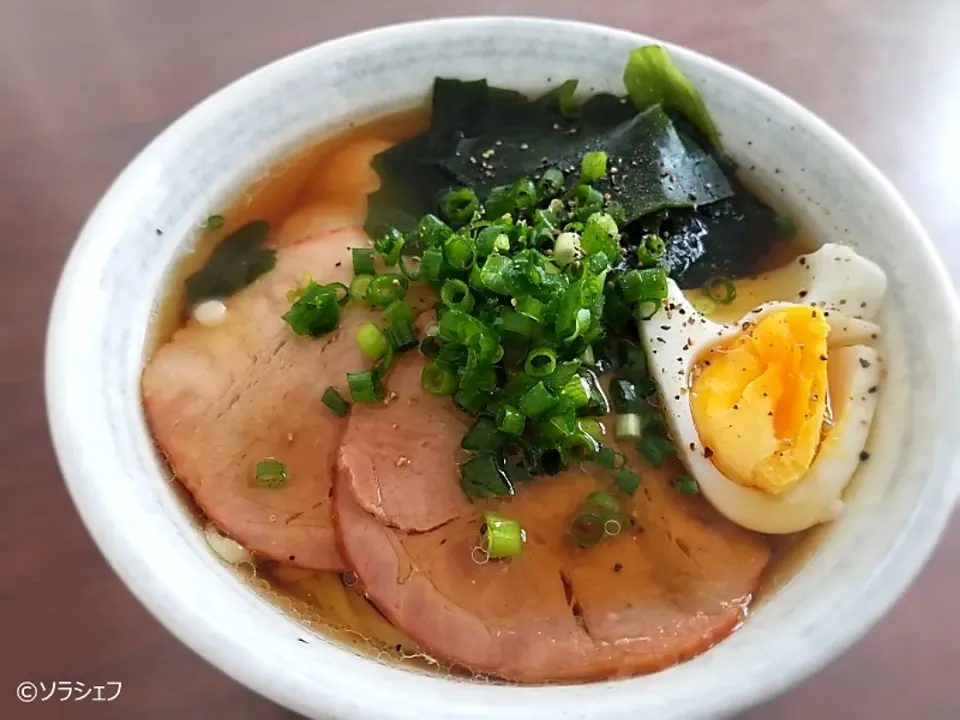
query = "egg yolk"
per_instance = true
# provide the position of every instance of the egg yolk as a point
(759, 401)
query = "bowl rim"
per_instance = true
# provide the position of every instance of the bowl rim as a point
(901, 565)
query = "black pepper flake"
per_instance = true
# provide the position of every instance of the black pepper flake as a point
(864, 363)
(803, 261)
(863, 304)
(618, 567)
(864, 456)
(676, 397)
(158, 231)
(736, 407)
(822, 357)
(872, 389)
(303, 641)
(398, 647)
(873, 336)
(707, 452)
(339, 263)
(842, 301)
(693, 446)
(813, 313)
(802, 294)
(664, 327)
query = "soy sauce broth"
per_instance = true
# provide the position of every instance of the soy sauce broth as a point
(327, 603)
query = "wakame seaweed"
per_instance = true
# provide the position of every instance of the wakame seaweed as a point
(235, 263)
(664, 161)
(728, 238)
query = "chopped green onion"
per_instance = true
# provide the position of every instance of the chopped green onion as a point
(334, 400)
(214, 222)
(459, 251)
(510, 420)
(525, 194)
(500, 201)
(593, 166)
(431, 264)
(365, 386)
(704, 305)
(531, 307)
(581, 445)
(502, 537)
(650, 249)
(341, 291)
(655, 449)
(586, 529)
(438, 381)
(362, 261)
(592, 427)
(456, 295)
(315, 313)
(649, 284)
(551, 183)
(472, 401)
(390, 246)
(458, 206)
(386, 289)
(786, 229)
(537, 401)
(541, 362)
(433, 231)
(430, 347)
(576, 389)
(401, 336)
(271, 474)
(358, 288)
(398, 311)
(483, 477)
(567, 248)
(627, 481)
(590, 200)
(610, 459)
(686, 485)
(372, 341)
(720, 289)
(511, 321)
(646, 309)
(605, 501)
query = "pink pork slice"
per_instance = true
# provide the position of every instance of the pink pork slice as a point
(662, 591)
(219, 399)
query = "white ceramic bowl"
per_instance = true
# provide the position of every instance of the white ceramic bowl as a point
(119, 267)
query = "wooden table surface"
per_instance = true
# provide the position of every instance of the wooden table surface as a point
(84, 84)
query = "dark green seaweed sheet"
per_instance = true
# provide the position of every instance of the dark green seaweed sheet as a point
(483, 137)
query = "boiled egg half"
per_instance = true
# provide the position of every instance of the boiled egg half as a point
(771, 414)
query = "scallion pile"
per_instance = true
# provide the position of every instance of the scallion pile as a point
(536, 289)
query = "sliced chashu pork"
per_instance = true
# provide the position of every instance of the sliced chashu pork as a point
(660, 592)
(218, 399)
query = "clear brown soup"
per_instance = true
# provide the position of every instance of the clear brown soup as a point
(333, 604)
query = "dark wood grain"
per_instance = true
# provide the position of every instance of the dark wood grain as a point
(85, 84)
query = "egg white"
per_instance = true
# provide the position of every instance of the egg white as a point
(850, 290)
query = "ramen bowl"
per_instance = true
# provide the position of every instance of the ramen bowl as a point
(116, 276)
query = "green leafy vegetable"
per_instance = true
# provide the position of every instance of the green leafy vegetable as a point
(316, 312)
(234, 264)
(651, 78)
(271, 474)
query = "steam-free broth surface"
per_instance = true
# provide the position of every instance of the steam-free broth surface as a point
(373, 533)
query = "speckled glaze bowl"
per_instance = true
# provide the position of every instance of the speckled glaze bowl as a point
(897, 506)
